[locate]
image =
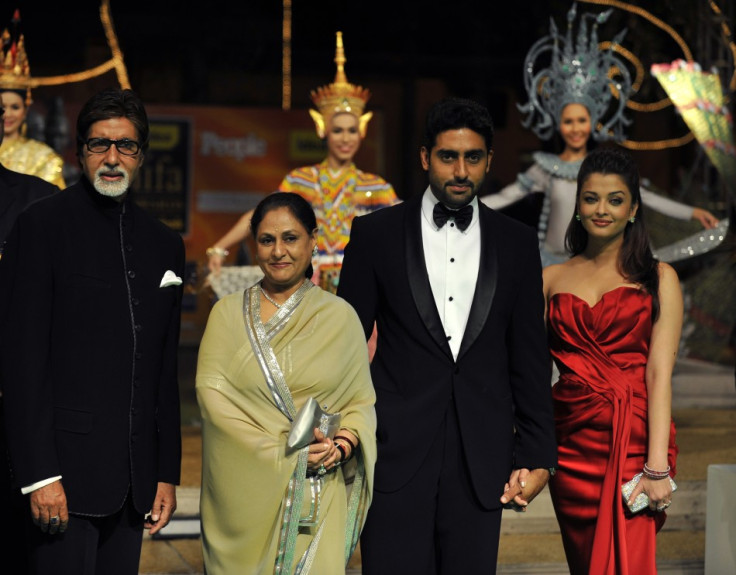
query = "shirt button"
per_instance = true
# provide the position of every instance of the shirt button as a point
(137, 327)
(452, 225)
(450, 298)
(449, 337)
(452, 260)
(131, 274)
(135, 301)
(128, 248)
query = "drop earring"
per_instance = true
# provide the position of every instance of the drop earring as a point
(577, 217)
(632, 219)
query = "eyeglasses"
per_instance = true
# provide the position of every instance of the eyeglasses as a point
(101, 145)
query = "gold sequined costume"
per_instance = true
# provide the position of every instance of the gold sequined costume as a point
(32, 157)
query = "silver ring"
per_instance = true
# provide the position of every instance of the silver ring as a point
(54, 520)
(321, 470)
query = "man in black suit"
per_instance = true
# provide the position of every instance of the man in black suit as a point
(16, 192)
(461, 367)
(92, 291)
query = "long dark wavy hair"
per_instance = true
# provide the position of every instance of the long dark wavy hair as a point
(299, 208)
(635, 260)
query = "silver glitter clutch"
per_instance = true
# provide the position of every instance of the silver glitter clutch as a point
(641, 500)
(309, 417)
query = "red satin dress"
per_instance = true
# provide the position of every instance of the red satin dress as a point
(600, 403)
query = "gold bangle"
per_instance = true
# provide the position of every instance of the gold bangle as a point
(217, 251)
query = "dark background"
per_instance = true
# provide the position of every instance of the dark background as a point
(409, 54)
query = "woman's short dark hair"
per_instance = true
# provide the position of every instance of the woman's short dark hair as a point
(636, 261)
(113, 103)
(298, 206)
(455, 114)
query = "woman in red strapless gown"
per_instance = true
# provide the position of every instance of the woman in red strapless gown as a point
(614, 317)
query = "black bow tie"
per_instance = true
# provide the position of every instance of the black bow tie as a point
(462, 217)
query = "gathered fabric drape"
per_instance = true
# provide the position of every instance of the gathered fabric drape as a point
(600, 405)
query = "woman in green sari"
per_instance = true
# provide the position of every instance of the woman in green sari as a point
(266, 508)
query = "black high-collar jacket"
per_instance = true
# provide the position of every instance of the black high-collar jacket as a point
(88, 355)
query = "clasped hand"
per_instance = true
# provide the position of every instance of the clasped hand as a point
(659, 492)
(322, 452)
(522, 487)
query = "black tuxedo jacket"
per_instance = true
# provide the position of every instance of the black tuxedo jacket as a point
(88, 355)
(16, 192)
(501, 379)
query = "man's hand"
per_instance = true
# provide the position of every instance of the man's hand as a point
(48, 508)
(522, 487)
(164, 506)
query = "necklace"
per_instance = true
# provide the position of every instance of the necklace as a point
(270, 299)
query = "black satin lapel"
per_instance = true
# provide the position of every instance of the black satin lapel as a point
(485, 288)
(416, 269)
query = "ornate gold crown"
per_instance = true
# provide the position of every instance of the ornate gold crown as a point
(15, 74)
(339, 97)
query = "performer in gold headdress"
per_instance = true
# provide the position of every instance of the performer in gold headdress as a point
(337, 190)
(17, 152)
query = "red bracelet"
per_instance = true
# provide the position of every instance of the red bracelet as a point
(653, 474)
(341, 449)
(352, 445)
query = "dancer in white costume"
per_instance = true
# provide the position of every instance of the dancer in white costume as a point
(571, 97)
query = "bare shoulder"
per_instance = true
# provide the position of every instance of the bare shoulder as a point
(551, 276)
(670, 292)
(667, 275)
(555, 271)
(552, 271)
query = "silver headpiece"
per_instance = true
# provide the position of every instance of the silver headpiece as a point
(579, 72)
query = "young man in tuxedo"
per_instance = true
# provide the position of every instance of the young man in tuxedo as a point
(461, 368)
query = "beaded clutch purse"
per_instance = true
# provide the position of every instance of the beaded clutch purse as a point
(641, 501)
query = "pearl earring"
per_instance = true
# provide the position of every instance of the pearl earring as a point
(632, 219)
(577, 217)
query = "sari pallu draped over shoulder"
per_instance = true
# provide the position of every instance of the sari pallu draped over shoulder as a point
(250, 381)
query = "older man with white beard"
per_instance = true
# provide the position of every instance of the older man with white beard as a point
(91, 291)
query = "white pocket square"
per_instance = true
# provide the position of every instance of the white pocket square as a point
(170, 279)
